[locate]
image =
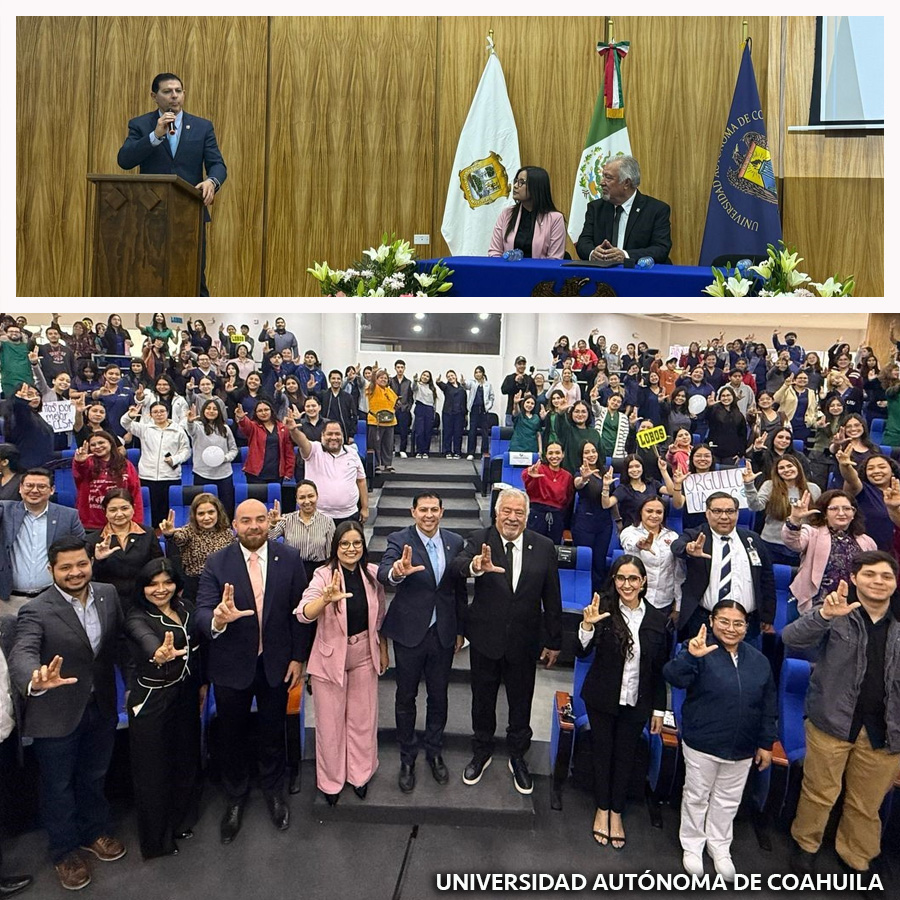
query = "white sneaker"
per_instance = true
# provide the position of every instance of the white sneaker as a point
(692, 863)
(403, 454)
(724, 867)
(448, 456)
(418, 456)
(470, 456)
(456, 456)
(424, 456)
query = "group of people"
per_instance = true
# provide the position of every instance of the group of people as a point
(248, 599)
(620, 228)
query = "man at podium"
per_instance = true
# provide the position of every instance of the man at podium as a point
(169, 141)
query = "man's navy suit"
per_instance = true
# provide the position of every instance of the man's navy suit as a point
(197, 149)
(648, 232)
(419, 647)
(238, 671)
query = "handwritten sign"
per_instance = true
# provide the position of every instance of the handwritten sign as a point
(698, 487)
(650, 437)
(60, 415)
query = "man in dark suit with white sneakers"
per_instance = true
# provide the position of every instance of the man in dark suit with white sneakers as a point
(517, 605)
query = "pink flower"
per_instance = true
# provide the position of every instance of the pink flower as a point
(340, 294)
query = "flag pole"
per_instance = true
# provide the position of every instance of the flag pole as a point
(609, 31)
(746, 31)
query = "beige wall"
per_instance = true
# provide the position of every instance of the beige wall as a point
(335, 129)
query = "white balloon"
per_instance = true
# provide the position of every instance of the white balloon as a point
(697, 404)
(213, 456)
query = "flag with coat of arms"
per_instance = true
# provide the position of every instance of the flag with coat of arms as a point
(742, 217)
(486, 162)
(607, 138)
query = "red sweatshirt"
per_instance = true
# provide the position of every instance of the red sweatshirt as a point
(91, 488)
(556, 489)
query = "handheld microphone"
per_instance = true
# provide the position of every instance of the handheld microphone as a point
(172, 126)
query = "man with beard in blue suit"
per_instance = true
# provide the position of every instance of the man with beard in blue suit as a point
(169, 141)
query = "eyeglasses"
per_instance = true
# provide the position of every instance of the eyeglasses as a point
(520, 182)
(350, 545)
(722, 513)
(629, 579)
(840, 509)
(43, 488)
(731, 626)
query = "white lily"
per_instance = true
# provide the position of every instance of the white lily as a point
(716, 289)
(830, 288)
(797, 278)
(790, 261)
(738, 287)
(378, 255)
(764, 269)
(320, 271)
(403, 254)
(377, 292)
(424, 279)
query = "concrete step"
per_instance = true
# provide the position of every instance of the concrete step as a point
(493, 802)
(446, 489)
(454, 507)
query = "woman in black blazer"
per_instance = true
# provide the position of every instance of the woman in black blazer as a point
(623, 688)
(163, 709)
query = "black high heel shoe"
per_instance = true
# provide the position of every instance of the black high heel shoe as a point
(332, 798)
(361, 791)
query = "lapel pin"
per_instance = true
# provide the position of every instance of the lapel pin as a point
(529, 546)
(187, 127)
(275, 559)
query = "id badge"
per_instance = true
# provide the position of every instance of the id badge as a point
(754, 558)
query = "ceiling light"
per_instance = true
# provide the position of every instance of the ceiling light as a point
(417, 328)
(475, 329)
(419, 316)
(484, 316)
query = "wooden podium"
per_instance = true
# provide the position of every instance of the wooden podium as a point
(147, 239)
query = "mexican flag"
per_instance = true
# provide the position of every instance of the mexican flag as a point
(607, 137)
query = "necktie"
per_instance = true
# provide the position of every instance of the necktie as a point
(173, 141)
(725, 571)
(509, 563)
(435, 558)
(438, 572)
(256, 582)
(617, 215)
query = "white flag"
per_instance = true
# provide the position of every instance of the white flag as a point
(486, 162)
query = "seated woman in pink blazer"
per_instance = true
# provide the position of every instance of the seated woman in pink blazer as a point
(534, 225)
(348, 654)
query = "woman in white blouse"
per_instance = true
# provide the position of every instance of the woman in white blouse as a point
(652, 542)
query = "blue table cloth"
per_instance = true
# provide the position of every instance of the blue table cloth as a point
(478, 276)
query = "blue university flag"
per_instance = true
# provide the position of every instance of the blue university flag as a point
(742, 217)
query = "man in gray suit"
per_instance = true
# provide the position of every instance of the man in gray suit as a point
(63, 663)
(27, 528)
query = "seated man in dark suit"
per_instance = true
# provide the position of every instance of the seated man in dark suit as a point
(424, 621)
(168, 141)
(625, 224)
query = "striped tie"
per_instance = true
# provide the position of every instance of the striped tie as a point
(725, 571)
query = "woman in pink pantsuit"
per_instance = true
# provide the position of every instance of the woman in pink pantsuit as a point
(348, 654)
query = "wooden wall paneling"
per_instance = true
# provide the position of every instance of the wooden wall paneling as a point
(222, 62)
(351, 142)
(53, 115)
(837, 224)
